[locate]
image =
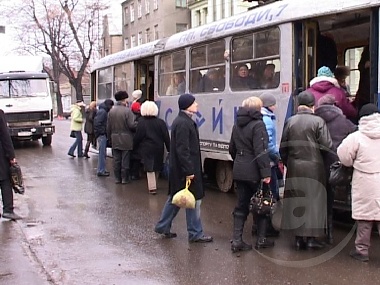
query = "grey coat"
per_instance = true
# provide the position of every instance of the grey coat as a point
(120, 125)
(305, 136)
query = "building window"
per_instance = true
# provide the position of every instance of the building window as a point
(147, 35)
(132, 10)
(181, 3)
(139, 38)
(126, 15)
(156, 32)
(180, 27)
(133, 41)
(139, 9)
(126, 43)
(147, 6)
(155, 4)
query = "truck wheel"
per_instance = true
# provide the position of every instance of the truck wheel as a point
(46, 141)
(224, 178)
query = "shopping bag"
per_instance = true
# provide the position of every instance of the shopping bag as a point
(340, 175)
(184, 198)
(16, 179)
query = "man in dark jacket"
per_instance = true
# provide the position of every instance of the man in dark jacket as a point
(7, 157)
(121, 123)
(100, 131)
(185, 163)
(305, 136)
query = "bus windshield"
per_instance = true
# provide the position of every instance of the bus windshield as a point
(23, 88)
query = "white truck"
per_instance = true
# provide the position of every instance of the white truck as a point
(25, 98)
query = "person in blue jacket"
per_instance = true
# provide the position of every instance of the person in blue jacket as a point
(269, 118)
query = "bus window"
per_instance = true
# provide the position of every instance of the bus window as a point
(172, 76)
(207, 68)
(351, 59)
(255, 61)
(105, 83)
(123, 77)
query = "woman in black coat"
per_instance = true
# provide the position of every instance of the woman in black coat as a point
(339, 127)
(89, 127)
(249, 150)
(149, 140)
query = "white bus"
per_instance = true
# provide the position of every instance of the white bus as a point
(290, 39)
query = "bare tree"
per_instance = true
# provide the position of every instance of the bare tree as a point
(67, 31)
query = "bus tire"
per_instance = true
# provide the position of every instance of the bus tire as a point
(46, 141)
(224, 178)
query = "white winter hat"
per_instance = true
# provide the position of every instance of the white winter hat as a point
(137, 94)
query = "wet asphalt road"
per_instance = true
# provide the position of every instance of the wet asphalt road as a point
(81, 229)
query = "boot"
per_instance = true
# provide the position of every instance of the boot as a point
(330, 238)
(300, 243)
(85, 154)
(126, 179)
(262, 241)
(312, 243)
(237, 240)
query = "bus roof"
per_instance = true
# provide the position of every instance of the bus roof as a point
(124, 55)
(23, 75)
(259, 17)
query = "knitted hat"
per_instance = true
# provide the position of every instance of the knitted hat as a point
(120, 95)
(80, 103)
(325, 71)
(327, 100)
(137, 94)
(185, 101)
(306, 98)
(268, 99)
(368, 109)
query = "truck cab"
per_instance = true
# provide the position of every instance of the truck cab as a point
(26, 101)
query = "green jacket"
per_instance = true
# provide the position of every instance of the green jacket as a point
(76, 118)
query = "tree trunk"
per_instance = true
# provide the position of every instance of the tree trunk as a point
(59, 103)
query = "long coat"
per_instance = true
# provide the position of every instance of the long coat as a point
(89, 124)
(7, 152)
(149, 140)
(120, 127)
(305, 134)
(361, 150)
(185, 156)
(249, 147)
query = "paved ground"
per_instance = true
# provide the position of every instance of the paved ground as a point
(81, 229)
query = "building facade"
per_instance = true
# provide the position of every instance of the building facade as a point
(208, 11)
(148, 20)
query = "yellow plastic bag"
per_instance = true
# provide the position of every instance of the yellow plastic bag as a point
(184, 198)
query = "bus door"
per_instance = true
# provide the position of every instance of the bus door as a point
(305, 54)
(144, 70)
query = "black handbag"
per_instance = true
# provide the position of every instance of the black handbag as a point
(340, 175)
(262, 202)
(72, 134)
(16, 179)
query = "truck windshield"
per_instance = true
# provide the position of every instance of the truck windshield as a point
(23, 88)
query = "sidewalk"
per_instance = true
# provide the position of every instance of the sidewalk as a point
(17, 264)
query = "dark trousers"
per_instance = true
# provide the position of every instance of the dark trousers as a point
(245, 191)
(121, 163)
(7, 195)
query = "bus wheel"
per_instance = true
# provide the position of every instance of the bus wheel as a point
(46, 141)
(224, 177)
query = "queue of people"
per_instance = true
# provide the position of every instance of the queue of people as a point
(320, 133)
